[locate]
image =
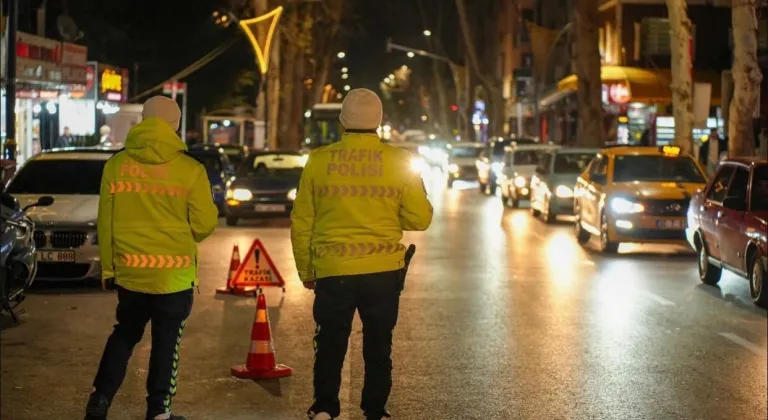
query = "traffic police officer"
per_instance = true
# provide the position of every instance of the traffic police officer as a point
(355, 199)
(155, 206)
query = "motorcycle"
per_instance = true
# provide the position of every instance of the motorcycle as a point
(18, 262)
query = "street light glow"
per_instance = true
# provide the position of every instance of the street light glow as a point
(391, 76)
(347, 88)
(341, 54)
(344, 69)
(411, 54)
(427, 32)
(345, 76)
(387, 80)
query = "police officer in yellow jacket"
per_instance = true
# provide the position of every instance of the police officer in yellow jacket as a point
(155, 206)
(355, 199)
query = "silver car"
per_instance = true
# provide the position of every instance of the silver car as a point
(65, 233)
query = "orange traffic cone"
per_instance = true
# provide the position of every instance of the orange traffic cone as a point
(260, 363)
(234, 264)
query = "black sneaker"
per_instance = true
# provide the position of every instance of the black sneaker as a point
(173, 417)
(97, 407)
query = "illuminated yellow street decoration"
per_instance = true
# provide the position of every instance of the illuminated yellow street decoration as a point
(111, 81)
(250, 27)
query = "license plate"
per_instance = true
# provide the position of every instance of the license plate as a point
(56, 256)
(269, 208)
(671, 224)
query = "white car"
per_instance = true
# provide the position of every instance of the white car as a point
(65, 232)
(517, 169)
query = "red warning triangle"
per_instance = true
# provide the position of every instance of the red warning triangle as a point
(257, 270)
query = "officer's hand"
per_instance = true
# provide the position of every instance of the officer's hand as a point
(309, 285)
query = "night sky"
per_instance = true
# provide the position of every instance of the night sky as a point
(164, 36)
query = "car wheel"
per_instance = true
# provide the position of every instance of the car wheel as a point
(582, 236)
(708, 273)
(548, 216)
(606, 245)
(757, 277)
(232, 221)
(534, 212)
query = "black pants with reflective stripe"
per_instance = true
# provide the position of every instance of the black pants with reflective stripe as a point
(168, 314)
(376, 297)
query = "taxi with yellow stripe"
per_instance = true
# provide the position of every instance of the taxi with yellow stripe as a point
(636, 195)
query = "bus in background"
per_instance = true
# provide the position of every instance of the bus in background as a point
(322, 125)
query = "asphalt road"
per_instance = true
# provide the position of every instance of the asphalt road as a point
(503, 317)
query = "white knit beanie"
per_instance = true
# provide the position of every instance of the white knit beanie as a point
(164, 108)
(361, 110)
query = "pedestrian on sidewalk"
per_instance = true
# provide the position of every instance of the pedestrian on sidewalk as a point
(355, 199)
(155, 206)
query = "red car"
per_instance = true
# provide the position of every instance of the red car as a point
(728, 224)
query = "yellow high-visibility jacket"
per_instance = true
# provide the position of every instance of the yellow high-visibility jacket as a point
(155, 206)
(355, 199)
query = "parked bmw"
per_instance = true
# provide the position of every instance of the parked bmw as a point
(265, 186)
(65, 232)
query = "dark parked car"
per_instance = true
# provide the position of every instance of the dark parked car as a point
(728, 224)
(220, 171)
(265, 186)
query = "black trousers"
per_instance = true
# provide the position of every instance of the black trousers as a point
(168, 314)
(376, 297)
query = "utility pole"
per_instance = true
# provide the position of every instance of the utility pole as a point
(9, 148)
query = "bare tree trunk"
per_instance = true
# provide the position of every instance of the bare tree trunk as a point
(321, 77)
(297, 113)
(746, 79)
(590, 124)
(290, 52)
(682, 85)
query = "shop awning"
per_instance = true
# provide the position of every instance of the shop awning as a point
(646, 85)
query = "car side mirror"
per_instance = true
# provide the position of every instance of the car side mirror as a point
(43, 201)
(735, 203)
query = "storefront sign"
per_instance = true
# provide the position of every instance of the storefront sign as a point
(73, 63)
(112, 83)
(616, 93)
(37, 59)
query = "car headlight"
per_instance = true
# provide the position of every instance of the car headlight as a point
(292, 194)
(563, 192)
(520, 181)
(453, 168)
(624, 206)
(417, 164)
(240, 194)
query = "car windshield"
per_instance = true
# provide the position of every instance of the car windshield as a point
(273, 164)
(235, 155)
(572, 163)
(656, 168)
(760, 188)
(465, 152)
(212, 162)
(526, 157)
(64, 176)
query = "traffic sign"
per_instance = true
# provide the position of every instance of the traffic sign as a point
(257, 270)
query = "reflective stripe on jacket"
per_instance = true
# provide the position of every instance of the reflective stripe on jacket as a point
(155, 206)
(355, 199)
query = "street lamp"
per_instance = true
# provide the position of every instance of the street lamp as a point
(341, 54)
(347, 88)
(411, 54)
(344, 69)
(345, 76)
(427, 32)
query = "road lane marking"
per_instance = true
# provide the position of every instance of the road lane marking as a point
(658, 299)
(754, 348)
